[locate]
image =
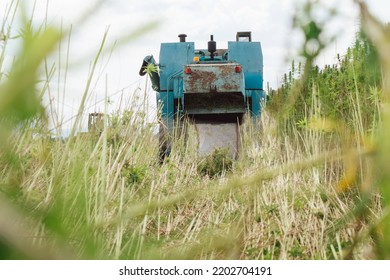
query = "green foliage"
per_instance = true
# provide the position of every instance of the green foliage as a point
(340, 105)
(297, 252)
(134, 174)
(312, 28)
(150, 69)
(19, 97)
(379, 34)
(336, 90)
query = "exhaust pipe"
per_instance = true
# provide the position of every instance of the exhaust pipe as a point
(212, 47)
(182, 38)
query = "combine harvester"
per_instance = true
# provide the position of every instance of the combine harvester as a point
(213, 88)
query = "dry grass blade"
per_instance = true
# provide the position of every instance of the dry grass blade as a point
(87, 87)
(234, 184)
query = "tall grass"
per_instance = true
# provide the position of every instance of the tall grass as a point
(305, 192)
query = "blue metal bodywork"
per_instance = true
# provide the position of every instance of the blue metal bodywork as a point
(250, 55)
(174, 57)
(222, 83)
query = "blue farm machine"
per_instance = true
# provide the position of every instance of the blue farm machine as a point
(213, 88)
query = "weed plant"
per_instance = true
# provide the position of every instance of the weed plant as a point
(315, 187)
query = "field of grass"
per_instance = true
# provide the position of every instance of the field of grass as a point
(307, 185)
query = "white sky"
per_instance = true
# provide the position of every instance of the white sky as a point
(269, 20)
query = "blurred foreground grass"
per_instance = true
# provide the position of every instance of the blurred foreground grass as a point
(320, 192)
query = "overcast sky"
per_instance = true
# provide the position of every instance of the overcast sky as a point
(269, 20)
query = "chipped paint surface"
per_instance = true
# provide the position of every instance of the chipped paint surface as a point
(213, 78)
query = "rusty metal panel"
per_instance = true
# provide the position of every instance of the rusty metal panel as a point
(213, 78)
(212, 136)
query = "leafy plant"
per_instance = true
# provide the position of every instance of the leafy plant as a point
(216, 163)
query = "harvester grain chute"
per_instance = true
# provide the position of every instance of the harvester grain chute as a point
(214, 88)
